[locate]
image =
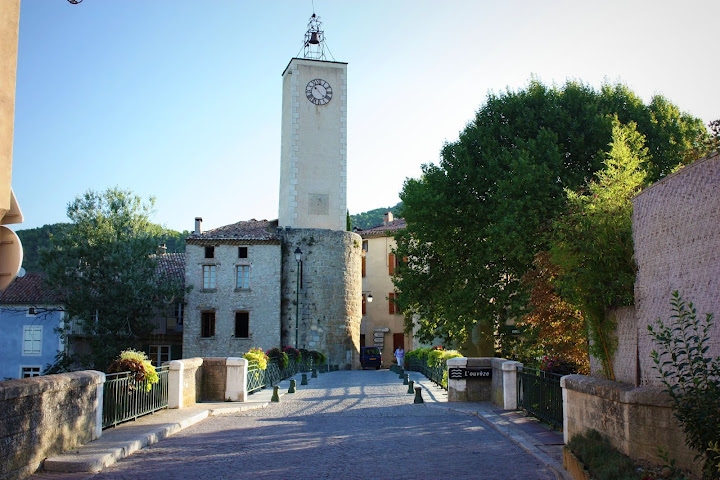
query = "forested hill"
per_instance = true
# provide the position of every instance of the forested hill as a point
(35, 239)
(373, 218)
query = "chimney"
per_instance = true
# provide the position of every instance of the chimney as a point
(198, 225)
(387, 218)
(161, 250)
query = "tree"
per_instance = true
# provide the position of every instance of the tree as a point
(105, 270)
(592, 242)
(477, 219)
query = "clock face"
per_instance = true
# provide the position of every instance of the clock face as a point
(318, 91)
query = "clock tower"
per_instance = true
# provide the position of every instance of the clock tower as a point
(321, 285)
(313, 166)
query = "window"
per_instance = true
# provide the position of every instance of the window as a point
(208, 276)
(207, 324)
(179, 313)
(365, 245)
(393, 307)
(392, 263)
(159, 354)
(32, 340)
(242, 252)
(209, 252)
(242, 275)
(27, 372)
(242, 324)
(363, 266)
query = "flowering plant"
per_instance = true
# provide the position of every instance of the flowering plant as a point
(257, 355)
(293, 353)
(138, 364)
(279, 357)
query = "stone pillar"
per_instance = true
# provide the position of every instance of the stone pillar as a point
(99, 407)
(509, 376)
(236, 383)
(175, 384)
(457, 388)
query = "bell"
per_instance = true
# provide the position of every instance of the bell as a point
(314, 39)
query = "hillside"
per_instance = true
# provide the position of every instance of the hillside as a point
(35, 239)
(373, 218)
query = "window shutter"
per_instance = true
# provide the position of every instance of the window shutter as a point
(363, 266)
(391, 263)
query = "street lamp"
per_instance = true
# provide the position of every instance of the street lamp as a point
(298, 259)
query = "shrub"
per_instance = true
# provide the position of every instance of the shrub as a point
(691, 378)
(437, 357)
(318, 358)
(138, 364)
(293, 353)
(419, 354)
(279, 357)
(600, 458)
(257, 355)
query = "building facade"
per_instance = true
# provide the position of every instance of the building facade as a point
(30, 320)
(382, 321)
(234, 302)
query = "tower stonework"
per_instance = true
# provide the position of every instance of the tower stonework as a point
(313, 167)
(322, 294)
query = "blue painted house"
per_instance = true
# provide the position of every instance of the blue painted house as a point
(29, 318)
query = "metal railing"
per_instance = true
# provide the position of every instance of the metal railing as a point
(258, 379)
(126, 399)
(435, 374)
(540, 394)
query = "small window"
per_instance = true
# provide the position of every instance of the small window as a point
(27, 372)
(242, 325)
(179, 313)
(32, 340)
(393, 306)
(207, 324)
(365, 245)
(209, 252)
(209, 276)
(159, 354)
(242, 252)
(242, 276)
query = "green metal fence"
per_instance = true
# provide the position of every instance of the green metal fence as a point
(434, 374)
(273, 374)
(126, 399)
(540, 394)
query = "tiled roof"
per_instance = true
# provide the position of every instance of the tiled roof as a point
(30, 289)
(247, 231)
(385, 229)
(172, 265)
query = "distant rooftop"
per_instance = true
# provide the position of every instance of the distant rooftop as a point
(30, 289)
(385, 229)
(172, 266)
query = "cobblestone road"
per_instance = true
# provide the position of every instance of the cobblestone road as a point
(343, 425)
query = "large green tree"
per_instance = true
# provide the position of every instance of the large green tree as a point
(105, 270)
(476, 220)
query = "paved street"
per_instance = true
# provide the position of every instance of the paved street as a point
(343, 425)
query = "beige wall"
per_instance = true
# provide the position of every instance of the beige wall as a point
(377, 281)
(9, 26)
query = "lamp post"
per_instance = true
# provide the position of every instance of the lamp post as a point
(298, 259)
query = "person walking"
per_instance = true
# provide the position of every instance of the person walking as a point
(400, 356)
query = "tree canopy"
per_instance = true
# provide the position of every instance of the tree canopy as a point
(477, 219)
(105, 270)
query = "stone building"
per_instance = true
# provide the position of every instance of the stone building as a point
(304, 285)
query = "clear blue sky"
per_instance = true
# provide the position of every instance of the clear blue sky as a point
(181, 99)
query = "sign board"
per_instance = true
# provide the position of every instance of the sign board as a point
(378, 335)
(382, 329)
(458, 373)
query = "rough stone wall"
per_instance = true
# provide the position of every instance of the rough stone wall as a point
(44, 416)
(261, 300)
(214, 379)
(625, 361)
(636, 420)
(676, 230)
(330, 293)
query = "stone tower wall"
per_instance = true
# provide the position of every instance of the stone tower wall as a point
(330, 293)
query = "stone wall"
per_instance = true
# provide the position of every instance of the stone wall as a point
(637, 420)
(44, 416)
(625, 361)
(330, 293)
(261, 300)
